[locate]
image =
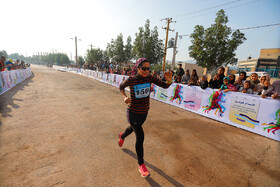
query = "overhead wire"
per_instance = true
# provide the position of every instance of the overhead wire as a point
(258, 26)
(215, 11)
(202, 10)
(130, 7)
(247, 28)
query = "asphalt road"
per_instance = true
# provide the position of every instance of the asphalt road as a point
(61, 129)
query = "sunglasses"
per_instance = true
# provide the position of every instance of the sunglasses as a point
(145, 68)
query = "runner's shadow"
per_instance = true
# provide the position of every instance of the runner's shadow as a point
(159, 171)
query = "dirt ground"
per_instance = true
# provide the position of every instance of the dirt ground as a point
(61, 129)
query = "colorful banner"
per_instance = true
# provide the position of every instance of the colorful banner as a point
(9, 79)
(246, 111)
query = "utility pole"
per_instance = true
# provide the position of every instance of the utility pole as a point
(174, 52)
(76, 49)
(90, 46)
(169, 20)
(76, 57)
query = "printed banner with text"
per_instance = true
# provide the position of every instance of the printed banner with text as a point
(9, 79)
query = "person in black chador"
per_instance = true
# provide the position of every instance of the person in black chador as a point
(217, 81)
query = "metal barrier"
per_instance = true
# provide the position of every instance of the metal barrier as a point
(272, 72)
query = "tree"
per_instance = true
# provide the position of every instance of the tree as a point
(94, 55)
(110, 50)
(105, 57)
(213, 47)
(157, 47)
(128, 50)
(81, 61)
(147, 44)
(51, 58)
(3, 53)
(118, 50)
(16, 56)
(64, 59)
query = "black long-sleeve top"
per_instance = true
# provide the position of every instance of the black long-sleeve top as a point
(140, 92)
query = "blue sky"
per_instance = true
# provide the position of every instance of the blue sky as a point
(44, 26)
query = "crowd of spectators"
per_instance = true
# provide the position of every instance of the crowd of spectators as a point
(243, 84)
(8, 65)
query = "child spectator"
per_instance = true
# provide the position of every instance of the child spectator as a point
(267, 90)
(203, 83)
(254, 82)
(231, 78)
(227, 86)
(246, 88)
(177, 79)
(193, 79)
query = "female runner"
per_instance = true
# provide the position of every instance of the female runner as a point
(138, 105)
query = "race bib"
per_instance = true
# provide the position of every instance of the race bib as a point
(142, 90)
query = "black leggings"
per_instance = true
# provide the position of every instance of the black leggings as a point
(136, 121)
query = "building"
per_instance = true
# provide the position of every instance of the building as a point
(268, 59)
(248, 64)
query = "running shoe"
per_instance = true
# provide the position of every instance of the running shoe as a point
(143, 170)
(121, 140)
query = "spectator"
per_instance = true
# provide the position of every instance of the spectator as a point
(254, 82)
(17, 62)
(260, 86)
(155, 74)
(203, 83)
(227, 86)
(2, 63)
(172, 73)
(180, 72)
(213, 83)
(9, 64)
(193, 79)
(231, 78)
(186, 77)
(123, 72)
(174, 78)
(267, 90)
(241, 79)
(177, 79)
(276, 89)
(246, 88)
(217, 81)
(254, 79)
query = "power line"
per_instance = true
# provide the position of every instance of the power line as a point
(255, 27)
(202, 10)
(258, 26)
(215, 12)
(259, 38)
